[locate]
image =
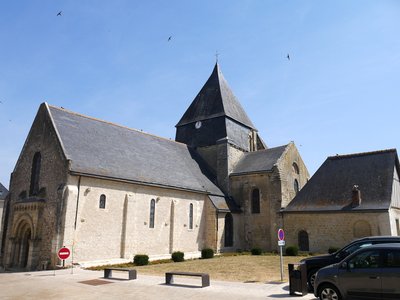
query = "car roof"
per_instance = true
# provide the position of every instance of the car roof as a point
(378, 238)
(383, 246)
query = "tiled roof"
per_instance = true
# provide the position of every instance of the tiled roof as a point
(214, 100)
(330, 188)
(3, 192)
(108, 150)
(259, 161)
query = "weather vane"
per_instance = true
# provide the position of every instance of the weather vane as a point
(216, 56)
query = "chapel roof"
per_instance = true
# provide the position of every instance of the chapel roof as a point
(98, 148)
(214, 100)
(330, 188)
(3, 192)
(259, 161)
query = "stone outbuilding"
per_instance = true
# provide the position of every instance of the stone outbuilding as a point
(108, 192)
(349, 196)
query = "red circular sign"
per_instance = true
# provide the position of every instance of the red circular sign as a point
(281, 235)
(63, 253)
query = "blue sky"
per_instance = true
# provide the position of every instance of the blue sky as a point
(338, 93)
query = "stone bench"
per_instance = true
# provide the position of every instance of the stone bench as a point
(131, 272)
(205, 278)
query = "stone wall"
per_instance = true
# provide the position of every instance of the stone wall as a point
(122, 228)
(334, 229)
(53, 168)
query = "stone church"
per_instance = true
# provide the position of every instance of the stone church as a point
(108, 192)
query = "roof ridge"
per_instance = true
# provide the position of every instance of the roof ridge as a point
(337, 156)
(114, 124)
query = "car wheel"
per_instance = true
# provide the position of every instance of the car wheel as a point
(329, 292)
(311, 280)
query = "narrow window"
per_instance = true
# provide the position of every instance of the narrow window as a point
(102, 201)
(255, 201)
(191, 216)
(35, 174)
(228, 239)
(296, 186)
(296, 168)
(303, 241)
(152, 212)
(398, 226)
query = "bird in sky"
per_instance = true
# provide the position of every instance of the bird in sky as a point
(288, 57)
(59, 13)
(169, 38)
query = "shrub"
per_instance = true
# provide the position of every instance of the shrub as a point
(207, 253)
(256, 251)
(141, 259)
(178, 256)
(333, 249)
(292, 251)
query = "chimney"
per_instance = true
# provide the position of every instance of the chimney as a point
(355, 196)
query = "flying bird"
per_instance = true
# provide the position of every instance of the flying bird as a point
(169, 38)
(288, 57)
(59, 13)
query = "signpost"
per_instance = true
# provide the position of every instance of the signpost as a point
(63, 254)
(281, 243)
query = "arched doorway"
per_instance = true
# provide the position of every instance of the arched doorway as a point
(228, 241)
(303, 241)
(22, 246)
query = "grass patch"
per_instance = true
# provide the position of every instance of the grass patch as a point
(226, 267)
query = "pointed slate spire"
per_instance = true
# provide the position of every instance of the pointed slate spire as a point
(214, 100)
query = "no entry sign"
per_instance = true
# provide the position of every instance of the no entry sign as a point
(281, 235)
(63, 253)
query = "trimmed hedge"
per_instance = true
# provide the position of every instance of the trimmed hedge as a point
(178, 256)
(332, 249)
(256, 251)
(141, 259)
(292, 251)
(207, 253)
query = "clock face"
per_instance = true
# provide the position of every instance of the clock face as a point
(197, 125)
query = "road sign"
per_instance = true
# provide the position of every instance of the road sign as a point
(281, 243)
(63, 253)
(281, 234)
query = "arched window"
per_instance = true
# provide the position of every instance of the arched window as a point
(191, 216)
(152, 212)
(102, 201)
(228, 240)
(295, 168)
(303, 241)
(296, 186)
(35, 174)
(255, 201)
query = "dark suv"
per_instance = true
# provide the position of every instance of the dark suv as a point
(313, 264)
(369, 273)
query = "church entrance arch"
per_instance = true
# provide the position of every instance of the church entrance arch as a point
(22, 246)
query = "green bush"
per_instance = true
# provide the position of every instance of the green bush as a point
(178, 256)
(141, 259)
(207, 253)
(333, 249)
(256, 251)
(292, 251)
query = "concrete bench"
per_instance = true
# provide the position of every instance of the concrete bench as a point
(205, 278)
(131, 272)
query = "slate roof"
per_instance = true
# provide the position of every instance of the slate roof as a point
(214, 100)
(330, 188)
(108, 150)
(3, 192)
(259, 161)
